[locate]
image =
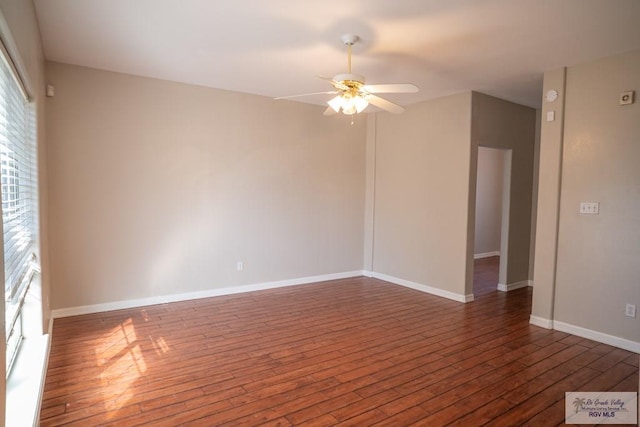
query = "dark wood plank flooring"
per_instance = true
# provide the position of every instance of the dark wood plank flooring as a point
(485, 275)
(354, 352)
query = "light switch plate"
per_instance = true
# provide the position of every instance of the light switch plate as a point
(551, 116)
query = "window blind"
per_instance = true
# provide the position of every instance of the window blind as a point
(18, 175)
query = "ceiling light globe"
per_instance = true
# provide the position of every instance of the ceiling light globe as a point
(335, 103)
(360, 104)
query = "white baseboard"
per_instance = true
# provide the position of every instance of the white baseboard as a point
(513, 286)
(424, 288)
(597, 336)
(486, 254)
(541, 321)
(586, 333)
(162, 299)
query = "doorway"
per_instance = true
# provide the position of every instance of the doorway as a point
(491, 240)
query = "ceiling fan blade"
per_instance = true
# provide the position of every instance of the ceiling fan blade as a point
(333, 92)
(337, 84)
(384, 104)
(391, 88)
(329, 112)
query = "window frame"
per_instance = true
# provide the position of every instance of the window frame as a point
(18, 161)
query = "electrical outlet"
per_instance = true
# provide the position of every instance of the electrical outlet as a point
(630, 310)
(626, 98)
(589, 208)
(240, 265)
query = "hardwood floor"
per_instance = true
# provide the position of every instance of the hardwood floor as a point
(347, 352)
(485, 275)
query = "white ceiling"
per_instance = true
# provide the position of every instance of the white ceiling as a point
(278, 47)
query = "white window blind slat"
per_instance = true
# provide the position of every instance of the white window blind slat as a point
(18, 187)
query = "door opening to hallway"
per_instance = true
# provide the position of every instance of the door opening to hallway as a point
(492, 219)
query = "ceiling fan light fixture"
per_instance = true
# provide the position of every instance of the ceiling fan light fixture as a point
(335, 103)
(349, 108)
(360, 103)
(349, 104)
(352, 95)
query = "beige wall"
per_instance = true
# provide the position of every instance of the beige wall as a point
(422, 166)
(488, 200)
(501, 124)
(159, 188)
(597, 269)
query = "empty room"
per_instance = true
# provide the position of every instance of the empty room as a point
(320, 213)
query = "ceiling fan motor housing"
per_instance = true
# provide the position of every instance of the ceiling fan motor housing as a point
(350, 84)
(357, 78)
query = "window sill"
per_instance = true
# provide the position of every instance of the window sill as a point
(26, 382)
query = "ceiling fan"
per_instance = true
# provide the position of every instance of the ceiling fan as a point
(353, 95)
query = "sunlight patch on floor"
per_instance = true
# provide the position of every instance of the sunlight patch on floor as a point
(122, 362)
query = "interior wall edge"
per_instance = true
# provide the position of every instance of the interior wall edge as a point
(513, 286)
(541, 322)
